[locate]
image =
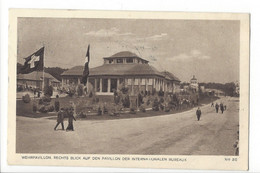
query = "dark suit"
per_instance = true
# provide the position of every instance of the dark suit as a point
(198, 113)
(60, 119)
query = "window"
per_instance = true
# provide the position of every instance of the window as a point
(129, 60)
(150, 81)
(119, 61)
(129, 82)
(143, 81)
(136, 81)
(110, 61)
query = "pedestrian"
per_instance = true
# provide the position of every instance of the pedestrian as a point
(225, 107)
(222, 107)
(60, 119)
(71, 117)
(216, 106)
(198, 113)
(212, 104)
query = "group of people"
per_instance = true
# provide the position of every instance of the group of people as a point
(217, 106)
(220, 106)
(70, 112)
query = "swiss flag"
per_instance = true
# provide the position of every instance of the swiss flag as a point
(33, 62)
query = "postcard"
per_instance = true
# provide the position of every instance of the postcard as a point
(128, 89)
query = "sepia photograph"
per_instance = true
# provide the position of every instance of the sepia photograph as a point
(143, 89)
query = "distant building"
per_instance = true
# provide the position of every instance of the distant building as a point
(194, 83)
(123, 68)
(35, 79)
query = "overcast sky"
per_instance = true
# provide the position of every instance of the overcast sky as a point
(207, 49)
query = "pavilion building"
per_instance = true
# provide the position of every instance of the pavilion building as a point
(123, 68)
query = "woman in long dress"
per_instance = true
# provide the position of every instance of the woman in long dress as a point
(71, 117)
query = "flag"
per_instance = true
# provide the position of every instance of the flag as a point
(33, 62)
(86, 68)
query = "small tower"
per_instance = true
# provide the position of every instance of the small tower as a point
(194, 83)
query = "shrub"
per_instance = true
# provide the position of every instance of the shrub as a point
(142, 108)
(148, 102)
(153, 91)
(140, 99)
(167, 109)
(34, 107)
(48, 91)
(90, 94)
(50, 108)
(57, 106)
(132, 110)
(155, 105)
(117, 99)
(80, 90)
(161, 100)
(26, 98)
(99, 111)
(161, 93)
(82, 115)
(19, 88)
(124, 90)
(162, 107)
(40, 101)
(46, 99)
(105, 110)
(126, 101)
(42, 109)
(71, 91)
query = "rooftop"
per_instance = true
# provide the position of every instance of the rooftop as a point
(170, 76)
(36, 76)
(124, 54)
(115, 70)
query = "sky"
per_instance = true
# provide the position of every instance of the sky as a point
(208, 49)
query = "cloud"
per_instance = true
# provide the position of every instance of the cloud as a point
(195, 53)
(107, 33)
(157, 37)
(204, 57)
(192, 55)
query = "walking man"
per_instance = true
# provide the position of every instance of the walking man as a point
(222, 107)
(198, 113)
(216, 106)
(212, 104)
(60, 119)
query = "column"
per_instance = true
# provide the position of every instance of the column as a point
(78, 80)
(108, 85)
(139, 84)
(100, 84)
(164, 85)
(132, 86)
(117, 85)
(95, 87)
(62, 82)
(146, 85)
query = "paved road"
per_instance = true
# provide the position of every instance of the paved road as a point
(176, 134)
